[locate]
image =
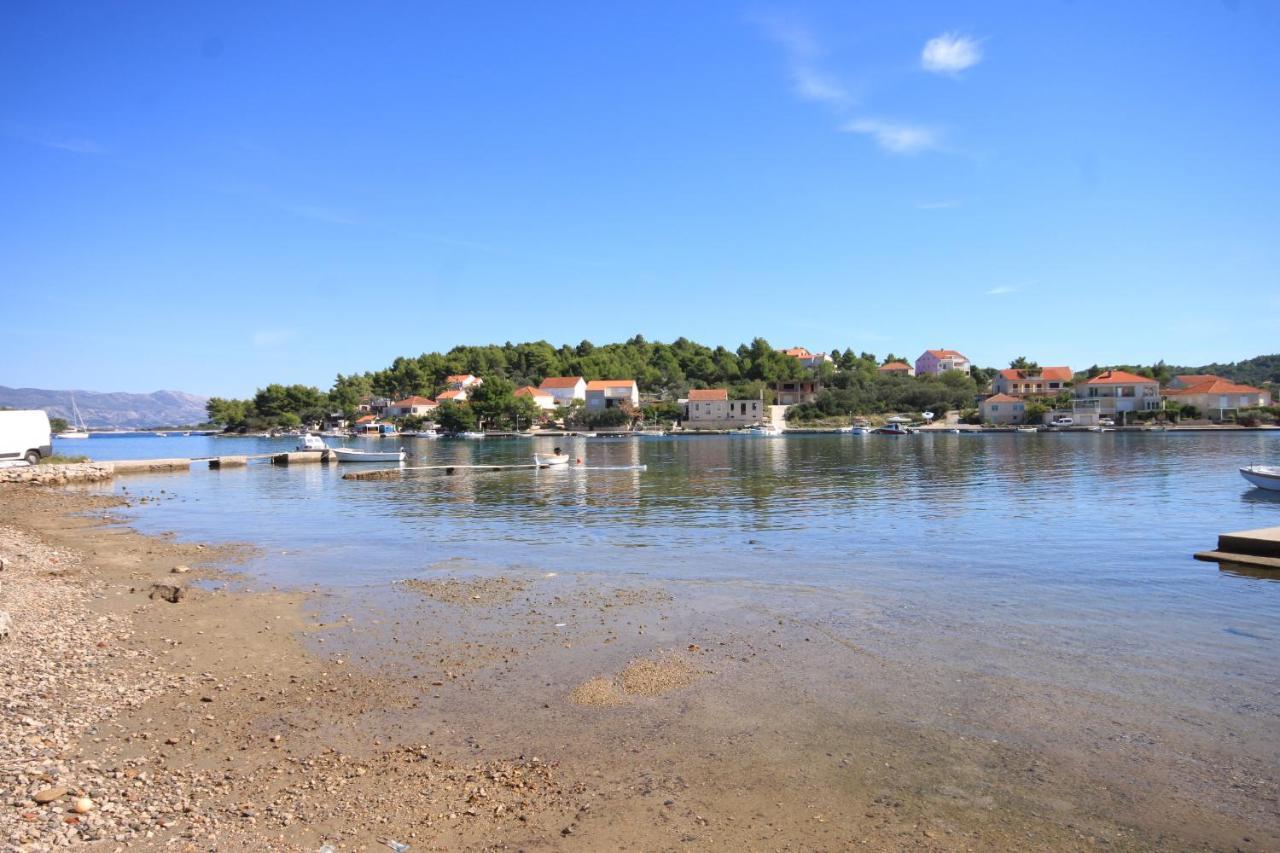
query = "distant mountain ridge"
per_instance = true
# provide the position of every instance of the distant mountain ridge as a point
(111, 409)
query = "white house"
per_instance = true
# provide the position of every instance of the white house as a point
(896, 368)
(453, 395)
(938, 361)
(1114, 394)
(422, 406)
(564, 389)
(711, 408)
(808, 359)
(611, 393)
(462, 381)
(541, 398)
(1032, 382)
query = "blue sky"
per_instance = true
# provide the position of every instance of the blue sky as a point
(209, 197)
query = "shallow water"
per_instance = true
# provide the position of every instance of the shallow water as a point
(1057, 557)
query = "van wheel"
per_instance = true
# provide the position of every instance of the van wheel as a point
(33, 457)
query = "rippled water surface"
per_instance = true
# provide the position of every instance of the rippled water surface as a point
(1067, 555)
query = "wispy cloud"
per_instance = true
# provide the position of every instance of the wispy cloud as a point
(809, 79)
(50, 139)
(272, 338)
(948, 204)
(950, 53)
(894, 136)
(1003, 290)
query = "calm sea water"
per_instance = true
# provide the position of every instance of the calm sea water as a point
(1047, 555)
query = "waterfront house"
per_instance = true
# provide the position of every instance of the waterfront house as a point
(711, 408)
(792, 392)
(453, 395)
(373, 405)
(1032, 382)
(939, 361)
(611, 393)
(541, 399)
(896, 368)
(564, 389)
(808, 359)
(1114, 394)
(415, 405)
(1216, 398)
(1003, 409)
(462, 381)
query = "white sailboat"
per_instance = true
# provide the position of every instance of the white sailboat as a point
(77, 428)
(1263, 476)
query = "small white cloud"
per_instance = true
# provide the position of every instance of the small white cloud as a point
(937, 205)
(1001, 291)
(950, 53)
(893, 136)
(272, 338)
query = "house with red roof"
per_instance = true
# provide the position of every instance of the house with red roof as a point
(604, 394)
(896, 368)
(939, 361)
(808, 359)
(1003, 409)
(462, 381)
(1032, 382)
(1215, 398)
(564, 389)
(541, 399)
(415, 405)
(711, 408)
(1114, 394)
(453, 395)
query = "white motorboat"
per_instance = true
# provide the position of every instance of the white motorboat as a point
(471, 434)
(349, 454)
(548, 460)
(892, 428)
(766, 430)
(1263, 476)
(1028, 429)
(311, 442)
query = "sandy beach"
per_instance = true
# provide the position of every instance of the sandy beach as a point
(464, 709)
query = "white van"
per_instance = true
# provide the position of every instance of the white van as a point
(25, 435)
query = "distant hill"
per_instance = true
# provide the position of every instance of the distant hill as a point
(1253, 371)
(161, 408)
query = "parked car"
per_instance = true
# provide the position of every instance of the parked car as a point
(25, 434)
(1062, 422)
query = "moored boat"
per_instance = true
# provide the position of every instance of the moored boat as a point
(470, 434)
(548, 460)
(892, 429)
(349, 454)
(766, 430)
(311, 442)
(1263, 476)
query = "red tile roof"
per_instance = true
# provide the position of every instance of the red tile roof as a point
(1117, 377)
(450, 395)
(707, 395)
(530, 391)
(366, 419)
(414, 401)
(895, 365)
(1052, 374)
(1216, 385)
(946, 353)
(602, 384)
(561, 382)
(798, 352)
(460, 377)
(1001, 398)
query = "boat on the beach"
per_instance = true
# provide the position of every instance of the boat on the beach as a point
(350, 454)
(1263, 476)
(311, 442)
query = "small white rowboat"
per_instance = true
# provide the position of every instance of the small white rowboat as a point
(1263, 476)
(347, 454)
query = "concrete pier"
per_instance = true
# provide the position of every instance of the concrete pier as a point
(149, 466)
(1259, 548)
(303, 457)
(228, 462)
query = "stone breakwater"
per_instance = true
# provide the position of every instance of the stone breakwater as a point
(57, 475)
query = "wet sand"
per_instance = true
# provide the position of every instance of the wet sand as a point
(468, 709)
